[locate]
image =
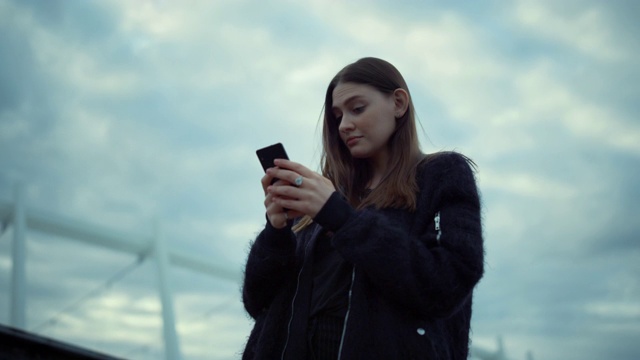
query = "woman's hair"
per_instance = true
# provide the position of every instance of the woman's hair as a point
(350, 175)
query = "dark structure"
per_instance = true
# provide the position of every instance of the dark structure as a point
(17, 344)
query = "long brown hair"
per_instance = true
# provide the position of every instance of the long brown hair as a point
(349, 175)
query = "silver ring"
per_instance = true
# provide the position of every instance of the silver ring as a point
(298, 181)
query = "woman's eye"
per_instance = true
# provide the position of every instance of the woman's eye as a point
(358, 109)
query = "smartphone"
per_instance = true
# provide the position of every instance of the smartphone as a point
(267, 154)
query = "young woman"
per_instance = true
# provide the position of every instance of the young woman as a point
(378, 256)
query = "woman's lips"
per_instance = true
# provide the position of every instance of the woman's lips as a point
(352, 140)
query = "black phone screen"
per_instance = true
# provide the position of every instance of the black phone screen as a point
(267, 154)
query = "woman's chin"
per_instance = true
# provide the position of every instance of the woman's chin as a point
(359, 155)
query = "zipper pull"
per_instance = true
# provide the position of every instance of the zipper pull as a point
(437, 222)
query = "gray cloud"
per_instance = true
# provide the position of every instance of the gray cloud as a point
(120, 114)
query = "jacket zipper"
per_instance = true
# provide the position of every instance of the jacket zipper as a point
(346, 316)
(293, 302)
(437, 222)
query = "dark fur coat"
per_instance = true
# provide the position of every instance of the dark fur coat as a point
(412, 288)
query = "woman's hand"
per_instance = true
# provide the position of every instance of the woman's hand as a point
(276, 214)
(302, 191)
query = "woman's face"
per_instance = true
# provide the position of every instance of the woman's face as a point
(366, 118)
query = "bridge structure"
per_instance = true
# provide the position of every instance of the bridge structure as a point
(21, 218)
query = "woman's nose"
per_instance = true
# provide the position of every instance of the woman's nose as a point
(346, 124)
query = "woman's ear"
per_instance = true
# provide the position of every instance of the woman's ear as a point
(401, 102)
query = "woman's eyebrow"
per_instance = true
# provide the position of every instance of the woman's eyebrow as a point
(349, 100)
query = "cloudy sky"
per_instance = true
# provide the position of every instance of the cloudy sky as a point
(124, 113)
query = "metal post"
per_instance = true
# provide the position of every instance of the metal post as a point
(500, 353)
(18, 297)
(172, 348)
(529, 355)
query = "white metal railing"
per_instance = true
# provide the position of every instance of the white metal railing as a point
(23, 219)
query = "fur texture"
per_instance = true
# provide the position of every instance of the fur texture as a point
(412, 294)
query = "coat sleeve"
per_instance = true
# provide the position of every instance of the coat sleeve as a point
(407, 267)
(271, 261)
